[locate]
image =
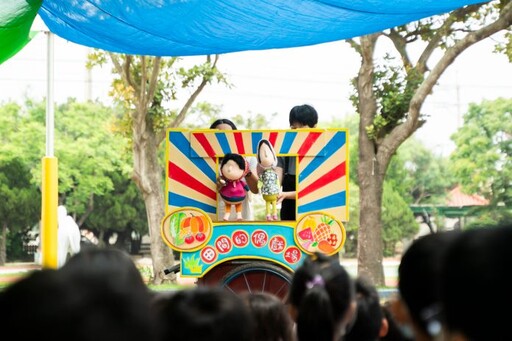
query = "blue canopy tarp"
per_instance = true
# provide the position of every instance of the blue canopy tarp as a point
(199, 27)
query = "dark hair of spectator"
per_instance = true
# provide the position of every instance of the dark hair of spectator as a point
(204, 314)
(476, 284)
(369, 314)
(322, 292)
(419, 279)
(272, 322)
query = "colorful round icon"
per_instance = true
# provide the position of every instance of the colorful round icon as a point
(320, 232)
(186, 229)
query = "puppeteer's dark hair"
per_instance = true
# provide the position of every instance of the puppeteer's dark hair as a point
(223, 121)
(304, 114)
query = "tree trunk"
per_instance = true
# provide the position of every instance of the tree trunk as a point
(148, 177)
(3, 244)
(375, 155)
(369, 245)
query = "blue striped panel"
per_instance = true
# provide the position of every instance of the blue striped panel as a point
(182, 201)
(256, 137)
(289, 137)
(337, 141)
(223, 142)
(335, 200)
(182, 143)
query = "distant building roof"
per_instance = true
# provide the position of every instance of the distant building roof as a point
(456, 198)
(458, 204)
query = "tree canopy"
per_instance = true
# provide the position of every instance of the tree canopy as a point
(482, 161)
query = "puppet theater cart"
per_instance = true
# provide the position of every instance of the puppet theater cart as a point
(253, 255)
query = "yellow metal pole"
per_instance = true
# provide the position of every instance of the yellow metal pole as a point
(50, 183)
(49, 213)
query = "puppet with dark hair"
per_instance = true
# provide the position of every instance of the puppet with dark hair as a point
(233, 169)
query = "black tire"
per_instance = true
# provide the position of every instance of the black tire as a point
(258, 277)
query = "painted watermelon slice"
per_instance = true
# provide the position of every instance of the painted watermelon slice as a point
(306, 234)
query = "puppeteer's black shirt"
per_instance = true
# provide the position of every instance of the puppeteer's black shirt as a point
(288, 163)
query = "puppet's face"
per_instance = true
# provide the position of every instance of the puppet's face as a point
(266, 156)
(231, 171)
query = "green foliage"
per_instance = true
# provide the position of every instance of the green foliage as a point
(397, 219)
(482, 162)
(121, 209)
(14, 247)
(394, 87)
(352, 226)
(505, 47)
(88, 152)
(415, 172)
(174, 81)
(20, 198)
(392, 94)
(490, 217)
(90, 157)
(420, 176)
(206, 70)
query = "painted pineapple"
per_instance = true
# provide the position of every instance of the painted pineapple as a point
(323, 230)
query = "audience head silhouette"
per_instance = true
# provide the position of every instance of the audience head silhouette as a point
(89, 299)
(271, 319)
(322, 299)
(475, 280)
(419, 282)
(204, 314)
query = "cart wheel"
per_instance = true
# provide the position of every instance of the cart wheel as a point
(258, 277)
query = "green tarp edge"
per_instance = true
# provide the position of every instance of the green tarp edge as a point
(16, 19)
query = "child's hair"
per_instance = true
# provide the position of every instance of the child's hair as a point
(272, 322)
(322, 292)
(304, 114)
(419, 279)
(204, 314)
(475, 282)
(394, 332)
(368, 322)
(90, 298)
